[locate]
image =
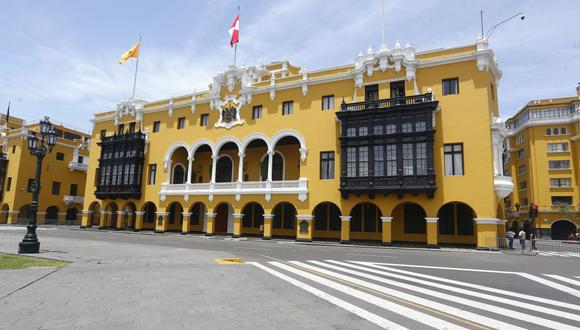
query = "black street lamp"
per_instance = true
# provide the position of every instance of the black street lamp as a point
(39, 144)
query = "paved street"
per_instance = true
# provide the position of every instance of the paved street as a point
(127, 280)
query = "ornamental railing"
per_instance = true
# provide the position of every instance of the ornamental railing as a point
(387, 103)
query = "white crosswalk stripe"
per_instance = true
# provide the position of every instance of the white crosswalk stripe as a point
(434, 301)
(559, 254)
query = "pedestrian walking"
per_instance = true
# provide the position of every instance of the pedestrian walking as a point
(522, 238)
(533, 241)
(510, 235)
(262, 230)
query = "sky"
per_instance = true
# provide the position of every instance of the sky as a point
(59, 58)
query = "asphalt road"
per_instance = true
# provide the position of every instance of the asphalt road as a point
(341, 286)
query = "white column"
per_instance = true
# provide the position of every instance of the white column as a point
(270, 161)
(213, 167)
(240, 167)
(168, 172)
(190, 161)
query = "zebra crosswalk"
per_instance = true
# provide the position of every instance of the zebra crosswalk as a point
(559, 254)
(396, 296)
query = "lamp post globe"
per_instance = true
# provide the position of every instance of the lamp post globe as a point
(39, 144)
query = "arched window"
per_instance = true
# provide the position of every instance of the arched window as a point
(178, 174)
(284, 216)
(556, 131)
(415, 222)
(224, 169)
(548, 131)
(563, 131)
(366, 217)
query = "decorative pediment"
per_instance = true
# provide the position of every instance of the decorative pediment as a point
(132, 108)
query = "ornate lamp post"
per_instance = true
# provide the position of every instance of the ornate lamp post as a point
(39, 144)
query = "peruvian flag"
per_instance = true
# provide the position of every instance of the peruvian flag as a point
(235, 31)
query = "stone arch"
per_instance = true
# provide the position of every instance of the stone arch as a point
(71, 214)
(51, 216)
(253, 218)
(95, 214)
(201, 155)
(198, 218)
(365, 221)
(284, 221)
(223, 141)
(515, 226)
(327, 222)
(149, 215)
(254, 137)
(409, 222)
(4, 213)
(289, 133)
(200, 143)
(128, 217)
(111, 215)
(224, 218)
(456, 218)
(175, 217)
(174, 147)
(23, 214)
(562, 228)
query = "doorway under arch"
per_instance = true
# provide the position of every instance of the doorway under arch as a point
(561, 229)
(51, 216)
(224, 219)
(327, 224)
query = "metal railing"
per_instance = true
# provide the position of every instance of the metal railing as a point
(541, 246)
(386, 103)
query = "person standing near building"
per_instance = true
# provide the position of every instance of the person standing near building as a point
(522, 238)
(533, 241)
(510, 235)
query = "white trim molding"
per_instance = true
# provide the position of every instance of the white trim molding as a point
(345, 218)
(486, 221)
(386, 219)
(431, 220)
(307, 217)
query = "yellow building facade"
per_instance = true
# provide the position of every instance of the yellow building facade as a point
(398, 146)
(543, 156)
(63, 176)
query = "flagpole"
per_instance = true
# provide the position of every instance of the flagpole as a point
(136, 67)
(383, 22)
(7, 115)
(236, 45)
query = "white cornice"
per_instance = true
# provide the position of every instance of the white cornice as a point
(542, 122)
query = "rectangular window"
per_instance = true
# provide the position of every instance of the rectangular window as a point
(103, 133)
(523, 202)
(453, 159)
(257, 112)
(132, 128)
(328, 102)
(420, 126)
(56, 188)
(371, 92)
(397, 89)
(152, 173)
(421, 158)
(522, 169)
(379, 162)
(287, 108)
(29, 185)
(561, 200)
(559, 164)
(561, 183)
(523, 185)
(204, 119)
(73, 189)
(378, 130)
(80, 159)
(391, 129)
(327, 165)
(557, 147)
(363, 161)
(408, 165)
(363, 131)
(156, 126)
(13, 148)
(492, 88)
(407, 127)
(450, 86)
(519, 139)
(351, 162)
(351, 132)
(521, 153)
(181, 123)
(391, 159)
(8, 183)
(59, 156)
(121, 128)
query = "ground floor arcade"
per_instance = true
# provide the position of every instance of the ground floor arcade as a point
(548, 225)
(451, 223)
